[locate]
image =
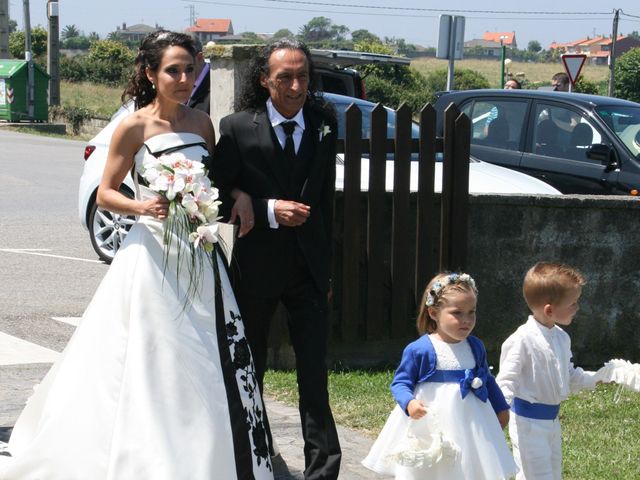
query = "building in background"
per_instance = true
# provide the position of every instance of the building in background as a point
(508, 39)
(597, 49)
(212, 29)
(135, 33)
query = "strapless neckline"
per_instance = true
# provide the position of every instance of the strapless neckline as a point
(162, 140)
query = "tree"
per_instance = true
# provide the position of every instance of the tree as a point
(38, 42)
(283, 33)
(93, 36)
(633, 34)
(109, 62)
(318, 29)
(251, 37)
(627, 78)
(70, 31)
(339, 32)
(534, 46)
(364, 36)
(77, 43)
(13, 26)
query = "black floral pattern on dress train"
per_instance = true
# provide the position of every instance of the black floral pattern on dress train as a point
(241, 357)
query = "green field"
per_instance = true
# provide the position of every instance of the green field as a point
(600, 434)
(101, 100)
(536, 73)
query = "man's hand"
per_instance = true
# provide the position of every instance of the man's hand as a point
(290, 213)
(416, 409)
(243, 209)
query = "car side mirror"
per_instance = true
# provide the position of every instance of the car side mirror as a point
(604, 154)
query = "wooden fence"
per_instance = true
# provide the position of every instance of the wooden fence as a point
(387, 249)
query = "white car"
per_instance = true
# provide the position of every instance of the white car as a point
(107, 230)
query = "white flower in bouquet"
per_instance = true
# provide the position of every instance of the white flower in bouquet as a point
(193, 200)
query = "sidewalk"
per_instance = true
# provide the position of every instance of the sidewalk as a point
(286, 430)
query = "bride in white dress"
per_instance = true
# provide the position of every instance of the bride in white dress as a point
(154, 384)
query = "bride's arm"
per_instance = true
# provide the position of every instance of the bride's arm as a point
(126, 140)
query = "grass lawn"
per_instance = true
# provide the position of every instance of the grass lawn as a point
(101, 100)
(601, 438)
(536, 73)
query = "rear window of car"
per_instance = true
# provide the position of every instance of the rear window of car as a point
(496, 123)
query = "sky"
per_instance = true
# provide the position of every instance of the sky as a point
(416, 21)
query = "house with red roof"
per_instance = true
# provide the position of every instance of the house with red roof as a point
(598, 49)
(211, 29)
(507, 39)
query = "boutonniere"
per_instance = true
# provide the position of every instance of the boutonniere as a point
(323, 130)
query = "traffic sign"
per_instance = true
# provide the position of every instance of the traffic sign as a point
(573, 65)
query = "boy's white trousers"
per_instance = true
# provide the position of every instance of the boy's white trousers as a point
(537, 447)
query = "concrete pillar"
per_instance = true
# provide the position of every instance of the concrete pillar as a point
(229, 64)
(4, 28)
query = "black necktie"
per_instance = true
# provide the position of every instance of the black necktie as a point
(289, 146)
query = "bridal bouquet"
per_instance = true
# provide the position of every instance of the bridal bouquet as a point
(193, 209)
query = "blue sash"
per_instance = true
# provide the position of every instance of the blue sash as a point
(464, 378)
(537, 411)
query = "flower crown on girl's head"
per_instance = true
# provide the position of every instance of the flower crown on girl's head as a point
(452, 278)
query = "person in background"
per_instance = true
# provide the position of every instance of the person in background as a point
(199, 98)
(512, 84)
(560, 82)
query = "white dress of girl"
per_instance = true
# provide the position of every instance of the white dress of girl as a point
(458, 439)
(148, 388)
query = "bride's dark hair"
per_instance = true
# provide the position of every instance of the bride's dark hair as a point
(140, 89)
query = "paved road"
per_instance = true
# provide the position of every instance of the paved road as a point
(48, 273)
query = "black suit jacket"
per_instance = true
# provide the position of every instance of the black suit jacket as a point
(200, 98)
(248, 156)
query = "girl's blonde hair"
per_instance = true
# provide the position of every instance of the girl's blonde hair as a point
(435, 294)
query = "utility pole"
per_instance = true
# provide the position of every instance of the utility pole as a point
(612, 54)
(53, 52)
(29, 58)
(4, 28)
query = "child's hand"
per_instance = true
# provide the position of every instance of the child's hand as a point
(503, 418)
(416, 409)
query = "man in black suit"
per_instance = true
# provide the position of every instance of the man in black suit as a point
(199, 98)
(276, 158)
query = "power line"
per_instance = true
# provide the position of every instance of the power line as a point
(417, 9)
(215, 2)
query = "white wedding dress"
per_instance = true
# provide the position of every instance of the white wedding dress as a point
(148, 388)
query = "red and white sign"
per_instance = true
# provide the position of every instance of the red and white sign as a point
(573, 65)
(10, 95)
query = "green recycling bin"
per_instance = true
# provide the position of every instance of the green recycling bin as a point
(13, 92)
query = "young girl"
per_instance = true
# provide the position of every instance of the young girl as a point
(444, 425)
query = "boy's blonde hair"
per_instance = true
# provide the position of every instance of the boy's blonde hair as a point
(436, 293)
(549, 283)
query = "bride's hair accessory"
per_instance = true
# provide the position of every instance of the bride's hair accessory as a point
(453, 278)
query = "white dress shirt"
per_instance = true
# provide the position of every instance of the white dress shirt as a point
(535, 365)
(276, 119)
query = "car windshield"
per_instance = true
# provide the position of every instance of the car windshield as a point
(366, 108)
(625, 123)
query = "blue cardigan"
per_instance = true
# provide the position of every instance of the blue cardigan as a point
(419, 362)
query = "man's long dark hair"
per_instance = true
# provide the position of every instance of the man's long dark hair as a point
(253, 96)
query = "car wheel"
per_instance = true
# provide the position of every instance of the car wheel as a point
(108, 230)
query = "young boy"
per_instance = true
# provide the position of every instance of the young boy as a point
(536, 372)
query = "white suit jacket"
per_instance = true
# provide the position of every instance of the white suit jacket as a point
(535, 365)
